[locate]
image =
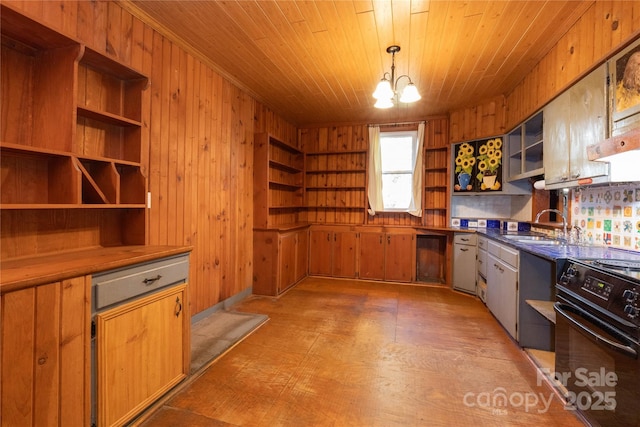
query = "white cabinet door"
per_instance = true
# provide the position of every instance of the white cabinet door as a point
(493, 285)
(575, 119)
(464, 276)
(502, 294)
(509, 298)
(588, 120)
(556, 140)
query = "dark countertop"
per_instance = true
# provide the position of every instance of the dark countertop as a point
(564, 251)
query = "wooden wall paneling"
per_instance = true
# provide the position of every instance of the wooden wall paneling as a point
(47, 354)
(598, 34)
(18, 317)
(478, 121)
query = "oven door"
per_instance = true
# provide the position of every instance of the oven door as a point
(598, 365)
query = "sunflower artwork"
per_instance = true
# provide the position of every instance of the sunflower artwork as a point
(489, 160)
(465, 161)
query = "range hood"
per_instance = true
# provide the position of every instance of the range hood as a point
(622, 152)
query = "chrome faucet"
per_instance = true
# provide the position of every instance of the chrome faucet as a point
(564, 219)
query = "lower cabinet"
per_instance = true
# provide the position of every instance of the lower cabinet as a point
(280, 259)
(332, 252)
(502, 285)
(464, 256)
(139, 353)
(45, 355)
(387, 256)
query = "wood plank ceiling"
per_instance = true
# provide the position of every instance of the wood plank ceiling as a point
(317, 62)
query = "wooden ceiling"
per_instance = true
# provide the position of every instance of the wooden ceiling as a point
(317, 62)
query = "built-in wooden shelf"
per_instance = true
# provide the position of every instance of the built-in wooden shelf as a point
(545, 308)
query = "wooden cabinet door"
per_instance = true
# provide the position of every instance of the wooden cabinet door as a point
(302, 254)
(287, 261)
(320, 245)
(139, 353)
(44, 355)
(398, 257)
(371, 256)
(344, 254)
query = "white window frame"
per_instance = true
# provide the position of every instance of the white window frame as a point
(384, 138)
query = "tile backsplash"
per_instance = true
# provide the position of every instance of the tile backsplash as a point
(608, 215)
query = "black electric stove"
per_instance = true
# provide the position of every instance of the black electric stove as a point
(598, 337)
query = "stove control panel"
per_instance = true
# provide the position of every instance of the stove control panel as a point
(597, 287)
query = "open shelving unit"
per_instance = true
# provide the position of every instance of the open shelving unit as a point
(278, 182)
(336, 180)
(436, 178)
(71, 134)
(525, 149)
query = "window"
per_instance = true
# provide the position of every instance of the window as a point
(398, 156)
(394, 171)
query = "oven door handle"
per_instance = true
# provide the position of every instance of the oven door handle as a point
(625, 349)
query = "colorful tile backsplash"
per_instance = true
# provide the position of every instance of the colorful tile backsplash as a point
(608, 215)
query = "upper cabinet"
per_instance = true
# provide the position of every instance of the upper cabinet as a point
(525, 148)
(574, 120)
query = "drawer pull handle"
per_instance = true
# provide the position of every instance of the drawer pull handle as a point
(178, 307)
(152, 280)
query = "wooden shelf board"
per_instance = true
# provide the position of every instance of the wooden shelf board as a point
(545, 308)
(8, 206)
(345, 188)
(284, 185)
(336, 171)
(335, 207)
(287, 207)
(334, 153)
(284, 146)
(103, 116)
(284, 166)
(28, 149)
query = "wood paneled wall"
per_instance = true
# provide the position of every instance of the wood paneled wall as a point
(198, 130)
(480, 121)
(605, 28)
(356, 137)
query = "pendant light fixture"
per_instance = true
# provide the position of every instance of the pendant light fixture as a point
(387, 90)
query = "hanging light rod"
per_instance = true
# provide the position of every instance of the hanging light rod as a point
(387, 90)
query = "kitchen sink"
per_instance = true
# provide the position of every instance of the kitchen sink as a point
(533, 240)
(524, 237)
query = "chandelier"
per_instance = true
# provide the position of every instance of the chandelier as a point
(386, 91)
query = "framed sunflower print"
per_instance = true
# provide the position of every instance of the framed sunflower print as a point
(478, 166)
(625, 80)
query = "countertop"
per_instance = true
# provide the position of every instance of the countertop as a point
(33, 271)
(563, 251)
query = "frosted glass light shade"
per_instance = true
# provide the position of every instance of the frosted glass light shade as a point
(383, 90)
(384, 103)
(410, 94)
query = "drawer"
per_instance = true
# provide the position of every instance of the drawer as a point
(482, 243)
(510, 256)
(465, 238)
(494, 248)
(116, 286)
(504, 253)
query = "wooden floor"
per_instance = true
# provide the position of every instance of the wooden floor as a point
(350, 353)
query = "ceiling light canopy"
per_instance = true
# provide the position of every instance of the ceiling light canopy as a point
(387, 90)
